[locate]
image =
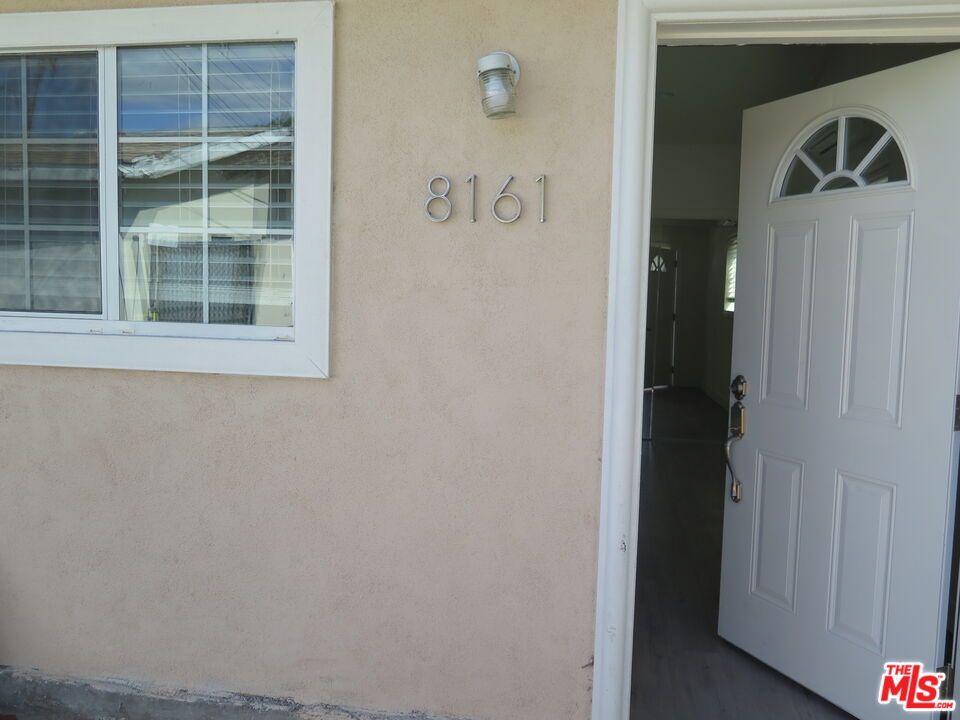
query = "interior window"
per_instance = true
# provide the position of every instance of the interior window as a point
(845, 153)
(730, 276)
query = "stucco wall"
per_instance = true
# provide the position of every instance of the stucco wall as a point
(419, 531)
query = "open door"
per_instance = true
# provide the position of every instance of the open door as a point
(848, 306)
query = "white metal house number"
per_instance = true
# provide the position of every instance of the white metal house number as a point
(442, 205)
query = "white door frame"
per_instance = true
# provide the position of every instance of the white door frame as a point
(638, 31)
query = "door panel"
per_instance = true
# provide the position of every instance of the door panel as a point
(861, 560)
(876, 318)
(776, 537)
(847, 322)
(787, 307)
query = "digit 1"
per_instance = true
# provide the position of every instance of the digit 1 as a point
(472, 179)
(543, 192)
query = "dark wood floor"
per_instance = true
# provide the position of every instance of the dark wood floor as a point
(681, 669)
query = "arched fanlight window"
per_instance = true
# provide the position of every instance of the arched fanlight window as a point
(849, 151)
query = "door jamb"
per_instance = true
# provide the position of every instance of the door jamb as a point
(638, 32)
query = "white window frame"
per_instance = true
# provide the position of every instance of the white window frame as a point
(93, 342)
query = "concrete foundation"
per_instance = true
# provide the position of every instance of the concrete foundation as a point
(30, 694)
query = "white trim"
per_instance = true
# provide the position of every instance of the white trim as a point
(623, 386)
(107, 343)
(109, 182)
(638, 32)
(899, 23)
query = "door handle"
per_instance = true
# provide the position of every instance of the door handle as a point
(737, 429)
(736, 487)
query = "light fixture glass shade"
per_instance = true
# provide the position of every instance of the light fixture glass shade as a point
(498, 74)
(499, 97)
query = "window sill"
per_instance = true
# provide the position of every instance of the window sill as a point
(282, 358)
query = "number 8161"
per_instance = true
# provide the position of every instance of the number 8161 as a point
(506, 207)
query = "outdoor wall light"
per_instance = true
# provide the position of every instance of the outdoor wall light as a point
(499, 73)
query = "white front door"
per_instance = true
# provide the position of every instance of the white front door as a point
(846, 328)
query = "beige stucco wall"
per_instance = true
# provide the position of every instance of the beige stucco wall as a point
(419, 531)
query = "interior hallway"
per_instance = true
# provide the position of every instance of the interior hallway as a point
(682, 670)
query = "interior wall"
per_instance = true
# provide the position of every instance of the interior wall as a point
(419, 531)
(718, 324)
(696, 181)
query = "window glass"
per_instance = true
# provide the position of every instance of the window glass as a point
(862, 135)
(840, 182)
(799, 179)
(207, 220)
(821, 147)
(11, 96)
(887, 166)
(49, 183)
(251, 88)
(730, 277)
(161, 90)
(871, 156)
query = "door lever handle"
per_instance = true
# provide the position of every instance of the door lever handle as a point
(737, 431)
(736, 488)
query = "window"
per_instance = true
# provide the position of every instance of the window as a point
(847, 152)
(730, 276)
(152, 186)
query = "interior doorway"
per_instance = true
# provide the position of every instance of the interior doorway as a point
(681, 668)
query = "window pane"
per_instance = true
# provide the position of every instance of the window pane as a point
(839, 183)
(49, 183)
(251, 87)
(65, 271)
(160, 90)
(62, 96)
(862, 135)
(13, 264)
(11, 184)
(799, 180)
(887, 166)
(207, 224)
(251, 280)
(822, 147)
(11, 96)
(251, 186)
(161, 277)
(63, 185)
(161, 184)
(730, 278)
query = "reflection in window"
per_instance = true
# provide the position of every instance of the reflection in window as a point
(49, 183)
(730, 276)
(847, 152)
(206, 183)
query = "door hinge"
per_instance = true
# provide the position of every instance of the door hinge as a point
(946, 687)
(956, 414)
